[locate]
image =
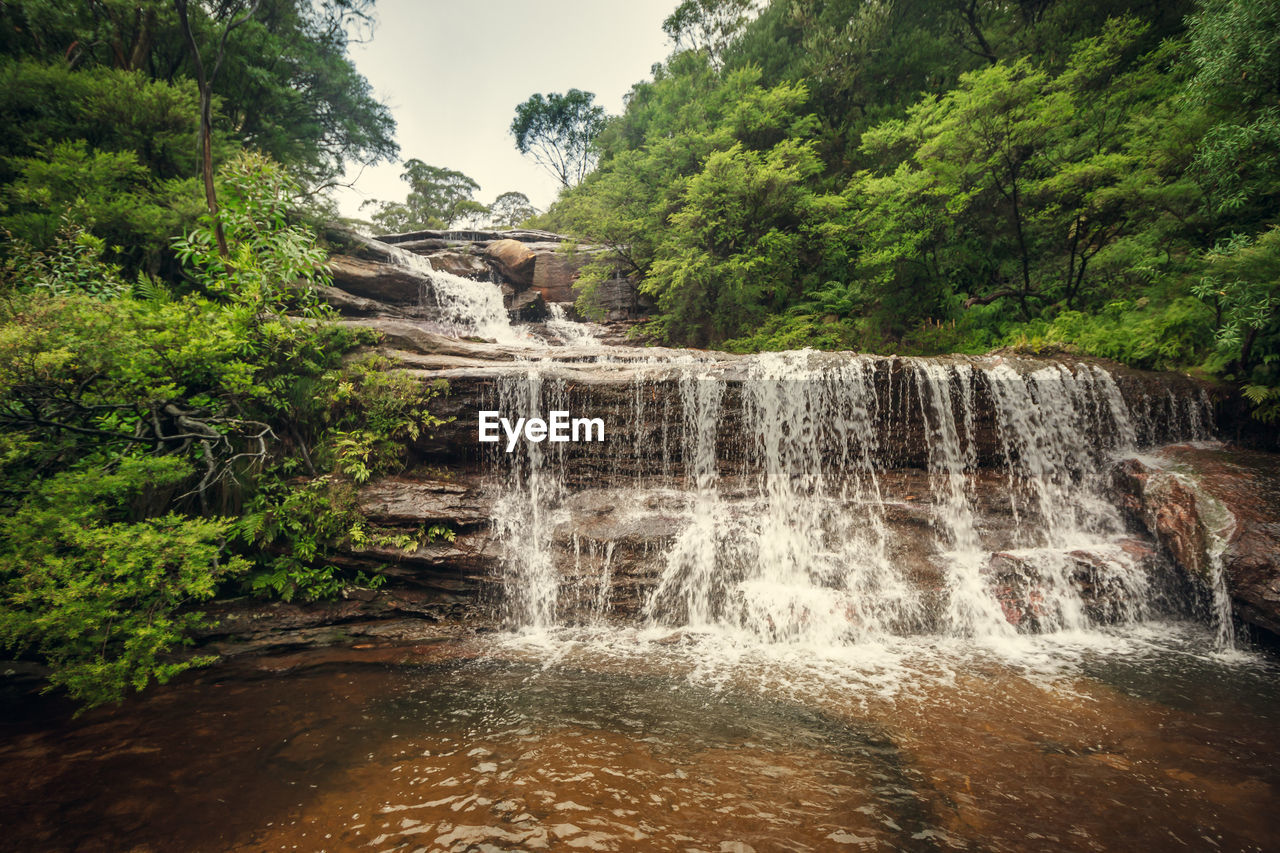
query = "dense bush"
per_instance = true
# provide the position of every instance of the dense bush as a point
(158, 443)
(1102, 178)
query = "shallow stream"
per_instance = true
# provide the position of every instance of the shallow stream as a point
(564, 740)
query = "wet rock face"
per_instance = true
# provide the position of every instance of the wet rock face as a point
(404, 501)
(645, 417)
(1181, 495)
(375, 280)
(1019, 584)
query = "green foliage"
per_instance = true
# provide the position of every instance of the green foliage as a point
(1242, 283)
(797, 332)
(1163, 337)
(110, 149)
(109, 110)
(781, 182)
(136, 422)
(438, 198)
(1234, 47)
(294, 526)
(559, 131)
(286, 86)
(98, 592)
(1017, 187)
(271, 254)
(708, 25)
(365, 417)
(373, 413)
(747, 237)
(72, 264)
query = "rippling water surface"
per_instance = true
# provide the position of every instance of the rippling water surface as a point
(671, 741)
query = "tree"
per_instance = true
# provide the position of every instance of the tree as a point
(748, 233)
(708, 25)
(287, 86)
(1235, 49)
(559, 131)
(438, 198)
(108, 148)
(204, 82)
(510, 209)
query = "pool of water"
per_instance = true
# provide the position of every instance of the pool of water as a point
(632, 740)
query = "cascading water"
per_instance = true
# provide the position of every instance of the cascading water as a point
(792, 476)
(464, 308)
(569, 332)
(461, 307)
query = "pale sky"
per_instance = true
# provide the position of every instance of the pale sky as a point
(453, 72)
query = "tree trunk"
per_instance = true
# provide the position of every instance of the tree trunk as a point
(205, 83)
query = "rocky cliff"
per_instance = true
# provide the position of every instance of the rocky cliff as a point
(533, 268)
(930, 455)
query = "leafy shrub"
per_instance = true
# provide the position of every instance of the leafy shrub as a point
(1172, 335)
(99, 593)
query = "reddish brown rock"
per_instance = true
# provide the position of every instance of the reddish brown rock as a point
(1191, 496)
(515, 261)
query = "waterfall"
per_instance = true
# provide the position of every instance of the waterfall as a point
(461, 307)
(524, 517)
(467, 308)
(830, 499)
(569, 332)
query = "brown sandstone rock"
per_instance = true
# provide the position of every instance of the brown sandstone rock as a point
(400, 500)
(375, 280)
(460, 264)
(514, 259)
(554, 275)
(1181, 496)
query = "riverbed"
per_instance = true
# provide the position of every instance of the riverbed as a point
(627, 739)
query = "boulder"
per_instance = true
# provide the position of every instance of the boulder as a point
(515, 261)
(461, 264)
(1215, 503)
(383, 282)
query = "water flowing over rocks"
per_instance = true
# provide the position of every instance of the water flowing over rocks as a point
(533, 269)
(824, 498)
(1216, 512)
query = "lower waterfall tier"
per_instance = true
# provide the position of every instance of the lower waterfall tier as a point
(800, 497)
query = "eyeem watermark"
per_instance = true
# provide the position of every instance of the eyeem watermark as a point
(559, 427)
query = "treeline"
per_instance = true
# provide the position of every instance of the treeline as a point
(178, 417)
(923, 176)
